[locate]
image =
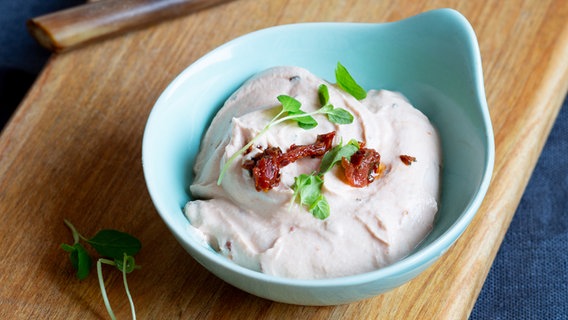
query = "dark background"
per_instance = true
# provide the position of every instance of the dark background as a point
(21, 58)
(529, 279)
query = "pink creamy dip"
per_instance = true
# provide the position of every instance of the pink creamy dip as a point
(368, 228)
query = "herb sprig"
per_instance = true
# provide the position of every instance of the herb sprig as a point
(116, 249)
(346, 82)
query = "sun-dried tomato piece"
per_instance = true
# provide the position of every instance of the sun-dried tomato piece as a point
(265, 167)
(407, 160)
(317, 149)
(362, 168)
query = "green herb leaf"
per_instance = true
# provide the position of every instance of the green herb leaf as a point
(335, 115)
(326, 109)
(346, 82)
(289, 104)
(80, 259)
(114, 244)
(300, 182)
(68, 248)
(305, 122)
(320, 208)
(308, 188)
(311, 189)
(323, 93)
(84, 262)
(292, 107)
(336, 153)
(340, 116)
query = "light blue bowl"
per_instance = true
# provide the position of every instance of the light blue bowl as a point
(432, 58)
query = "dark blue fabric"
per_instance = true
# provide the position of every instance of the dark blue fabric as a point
(529, 279)
(21, 58)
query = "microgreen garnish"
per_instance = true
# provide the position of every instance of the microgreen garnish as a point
(290, 110)
(307, 189)
(346, 82)
(118, 246)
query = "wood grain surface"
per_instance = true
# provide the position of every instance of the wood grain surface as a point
(73, 150)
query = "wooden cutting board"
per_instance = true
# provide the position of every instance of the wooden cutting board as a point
(72, 151)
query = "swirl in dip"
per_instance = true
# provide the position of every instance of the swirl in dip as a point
(368, 228)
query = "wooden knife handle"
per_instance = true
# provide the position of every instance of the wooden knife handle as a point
(96, 20)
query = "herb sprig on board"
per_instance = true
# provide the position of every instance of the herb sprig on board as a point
(116, 249)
